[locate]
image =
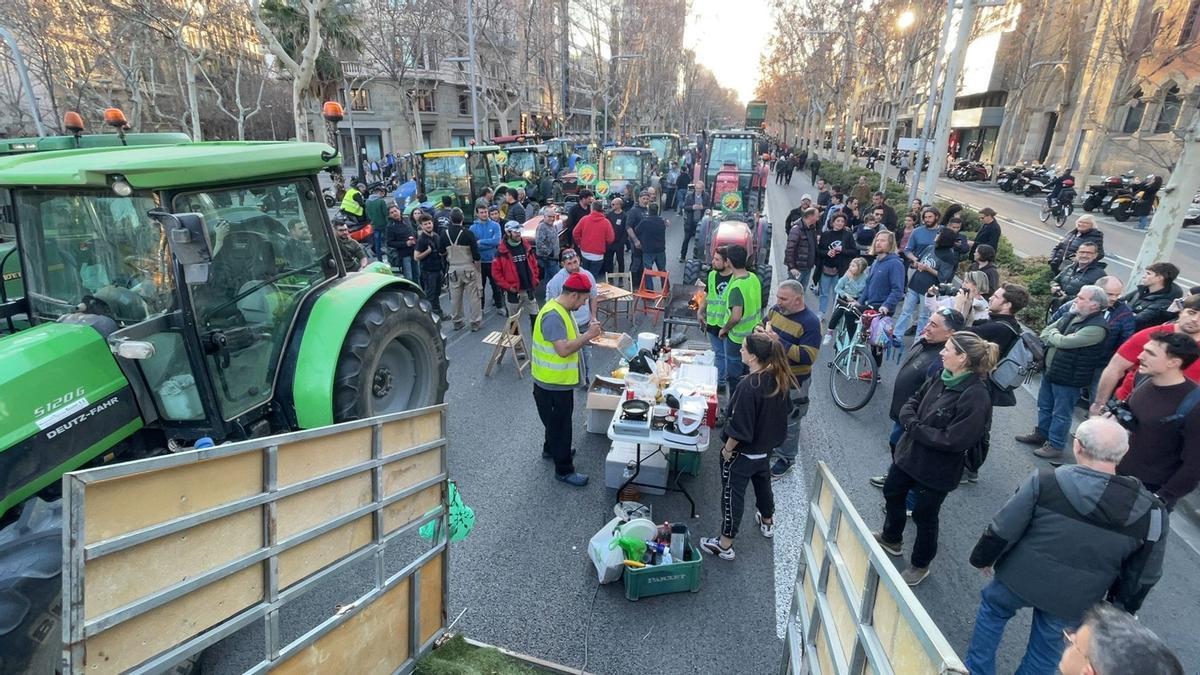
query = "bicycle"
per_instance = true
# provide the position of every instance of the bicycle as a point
(853, 373)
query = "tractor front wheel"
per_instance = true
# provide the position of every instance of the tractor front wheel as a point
(393, 359)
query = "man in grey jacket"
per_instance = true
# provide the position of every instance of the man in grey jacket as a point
(1069, 538)
(801, 252)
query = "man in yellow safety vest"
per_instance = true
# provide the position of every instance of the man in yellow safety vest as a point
(555, 368)
(354, 201)
(743, 300)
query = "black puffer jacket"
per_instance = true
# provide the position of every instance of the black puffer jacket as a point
(941, 425)
(1074, 277)
(1064, 251)
(1150, 308)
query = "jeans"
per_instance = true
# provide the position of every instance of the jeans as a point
(555, 408)
(635, 268)
(717, 344)
(997, 605)
(924, 514)
(914, 303)
(377, 244)
(431, 283)
(735, 474)
(825, 292)
(1055, 403)
(658, 260)
(791, 444)
(596, 267)
(1143, 222)
(407, 265)
(734, 368)
(486, 268)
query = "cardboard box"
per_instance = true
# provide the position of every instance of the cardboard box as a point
(604, 393)
(598, 421)
(653, 471)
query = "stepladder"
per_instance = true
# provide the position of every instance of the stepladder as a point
(509, 342)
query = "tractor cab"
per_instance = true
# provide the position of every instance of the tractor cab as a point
(624, 167)
(512, 140)
(525, 167)
(665, 146)
(462, 173)
(732, 173)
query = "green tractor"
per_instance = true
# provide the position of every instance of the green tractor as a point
(170, 293)
(665, 146)
(625, 168)
(527, 167)
(462, 173)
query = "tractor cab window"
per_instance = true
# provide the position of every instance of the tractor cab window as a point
(478, 164)
(520, 165)
(623, 167)
(270, 249)
(736, 151)
(93, 246)
(447, 172)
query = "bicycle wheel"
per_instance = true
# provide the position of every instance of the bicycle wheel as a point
(853, 377)
(1045, 213)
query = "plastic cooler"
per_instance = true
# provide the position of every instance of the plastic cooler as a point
(662, 579)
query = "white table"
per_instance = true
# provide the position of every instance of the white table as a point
(654, 438)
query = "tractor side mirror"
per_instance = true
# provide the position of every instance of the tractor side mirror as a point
(187, 235)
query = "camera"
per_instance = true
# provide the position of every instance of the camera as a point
(1119, 410)
(947, 289)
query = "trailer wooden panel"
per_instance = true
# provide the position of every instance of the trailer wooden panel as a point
(166, 556)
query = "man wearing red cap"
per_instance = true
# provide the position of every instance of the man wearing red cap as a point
(555, 369)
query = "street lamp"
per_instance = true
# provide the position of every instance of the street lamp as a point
(905, 20)
(608, 85)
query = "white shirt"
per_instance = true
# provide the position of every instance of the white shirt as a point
(554, 289)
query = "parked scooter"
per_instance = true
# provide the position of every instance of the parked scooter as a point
(1038, 182)
(1007, 178)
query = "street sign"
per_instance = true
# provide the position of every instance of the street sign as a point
(913, 145)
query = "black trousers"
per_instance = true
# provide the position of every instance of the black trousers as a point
(614, 261)
(735, 474)
(431, 283)
(924, 514)
(556, 409)
(486, 269)
(689, 231)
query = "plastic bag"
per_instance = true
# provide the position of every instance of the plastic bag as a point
(460, 516)
(607, 559)
(881, 331)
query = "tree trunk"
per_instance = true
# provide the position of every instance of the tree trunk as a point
(298, 111)
(189, 74)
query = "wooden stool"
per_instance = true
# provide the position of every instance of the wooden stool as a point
(510, 340)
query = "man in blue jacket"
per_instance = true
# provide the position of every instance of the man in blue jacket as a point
(487, 234)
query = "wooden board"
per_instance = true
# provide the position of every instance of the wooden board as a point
(431, 594)
(132, 642)
(405, 473)
(322, 504)
(324, 454)
(297, 563)
(374, 641)
(122, 577)
(161, 496)
(410, 508)
(409, 433)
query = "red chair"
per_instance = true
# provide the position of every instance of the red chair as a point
(652, 301)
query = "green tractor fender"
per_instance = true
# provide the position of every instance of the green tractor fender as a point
(365, 304)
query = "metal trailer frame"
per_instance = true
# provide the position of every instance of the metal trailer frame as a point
(850, 611)
(77, 628)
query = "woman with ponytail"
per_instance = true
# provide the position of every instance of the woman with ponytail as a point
(946, 419)
(757, 424)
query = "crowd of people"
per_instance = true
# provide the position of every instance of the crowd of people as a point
(1081, 542)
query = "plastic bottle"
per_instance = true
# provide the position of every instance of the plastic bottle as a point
(630, 469)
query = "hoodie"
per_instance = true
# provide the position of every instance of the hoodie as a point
(488, 234)
(1072, 537)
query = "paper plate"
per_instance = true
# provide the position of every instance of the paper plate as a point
(640, 528)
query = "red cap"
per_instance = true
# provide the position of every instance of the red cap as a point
(578, 282)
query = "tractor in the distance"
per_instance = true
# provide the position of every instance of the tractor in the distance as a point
(172, 292)
(625, 169)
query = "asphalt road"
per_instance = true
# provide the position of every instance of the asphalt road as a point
(522, 580)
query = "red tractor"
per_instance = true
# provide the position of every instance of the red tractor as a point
(718, 229)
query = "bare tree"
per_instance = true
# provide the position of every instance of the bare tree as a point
(302, 67)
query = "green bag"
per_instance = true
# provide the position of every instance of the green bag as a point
(460, 516)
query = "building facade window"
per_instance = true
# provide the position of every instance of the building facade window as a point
(1187, 28)
(424, 99)
(360, 99)
(1134, 113)
(1168, 114)
(464, 102)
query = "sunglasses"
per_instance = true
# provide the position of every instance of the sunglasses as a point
(569, 256)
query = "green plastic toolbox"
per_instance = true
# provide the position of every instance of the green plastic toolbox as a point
(661, 579)
(686, 462)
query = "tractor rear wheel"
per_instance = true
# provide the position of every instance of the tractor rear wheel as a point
(393, 359)
(31, 581)
(692, 270)
(764, 273)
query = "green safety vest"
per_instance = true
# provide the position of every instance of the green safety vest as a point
(547, 366)
(350, 204)
(716, 305)
(751, 289)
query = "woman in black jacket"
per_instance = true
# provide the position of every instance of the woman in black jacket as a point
(1153, 297)
(942, 422)
(836, 247)
(757, 412)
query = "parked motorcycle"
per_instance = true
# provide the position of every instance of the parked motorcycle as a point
(1038, 182)
(1193, 212)
(1006, 178)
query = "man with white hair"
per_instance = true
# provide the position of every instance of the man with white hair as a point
(1111, 642)
(1069, 538)
(1074, 350)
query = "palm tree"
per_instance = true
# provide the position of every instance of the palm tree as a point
(290, 24)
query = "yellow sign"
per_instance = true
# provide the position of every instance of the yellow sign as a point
(731, 201)
(501, 157)
(445, 153)
(602, 188)
(587, 174)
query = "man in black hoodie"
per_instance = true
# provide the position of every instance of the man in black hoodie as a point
(1069, 538)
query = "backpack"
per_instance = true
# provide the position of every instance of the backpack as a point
(1026, 357)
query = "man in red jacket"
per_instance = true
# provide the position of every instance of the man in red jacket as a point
(516, 272)
(592, 235)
